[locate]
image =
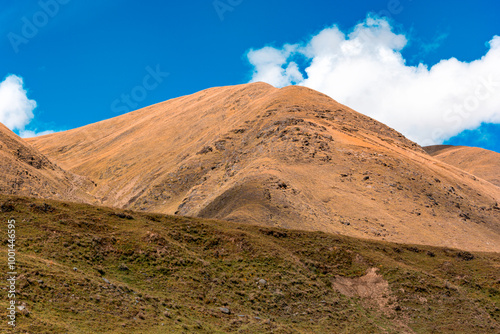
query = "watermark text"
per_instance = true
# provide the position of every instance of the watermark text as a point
(12, 273)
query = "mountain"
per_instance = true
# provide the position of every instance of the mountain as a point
(89, 269)
(290, 157)
(477, 161)
(27, 172)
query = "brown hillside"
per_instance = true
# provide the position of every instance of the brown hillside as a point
(27, 172)
(288, 157)
(480, 162)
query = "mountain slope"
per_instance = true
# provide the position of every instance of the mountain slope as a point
(25, 171)
(288, 157)
(477, 161)
(85, 269)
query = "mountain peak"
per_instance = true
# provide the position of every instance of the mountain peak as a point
(289, 157)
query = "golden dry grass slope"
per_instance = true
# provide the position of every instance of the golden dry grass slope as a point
(289, 157)
(480, 162)
(27, 172)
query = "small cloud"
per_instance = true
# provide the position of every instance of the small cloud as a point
(268, 63)
(31, 134)
(16, 109)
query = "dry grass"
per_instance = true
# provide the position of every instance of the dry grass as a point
(167, 274)
(477, 161)
(290, 157)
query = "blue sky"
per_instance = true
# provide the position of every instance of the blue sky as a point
(82, 57)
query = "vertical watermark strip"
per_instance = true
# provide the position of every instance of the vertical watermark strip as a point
(12, 272)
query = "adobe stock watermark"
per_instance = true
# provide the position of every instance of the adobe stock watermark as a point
(223, 6)
(31, 26)
(129, 102)
(394, 7)
(460, 113)
(11, 274)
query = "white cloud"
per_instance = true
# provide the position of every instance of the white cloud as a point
(268, 63)
(31, 134)
(16, 109)
(366, 71)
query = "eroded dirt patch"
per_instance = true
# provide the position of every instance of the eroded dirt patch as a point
(372, 287)
(374, 290)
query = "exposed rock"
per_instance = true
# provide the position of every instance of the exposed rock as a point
(225, 310)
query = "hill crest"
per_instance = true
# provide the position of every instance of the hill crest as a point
(474, 160)
(289, 157)
(27, 172)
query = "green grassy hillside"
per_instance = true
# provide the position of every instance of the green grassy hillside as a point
(85, 269)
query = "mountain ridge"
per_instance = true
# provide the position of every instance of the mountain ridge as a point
(27, 172)
(289, 157)
(477, 161)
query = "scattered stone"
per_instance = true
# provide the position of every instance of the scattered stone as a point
(106, 280)
(122, 215)
(45, 208)
(466, 256)
(262, 281)
(465, 215)
(6, 207)
(123, 267)
(205, 150)
(413, 249)
(225, 310)
(23, 310)
(75, 269)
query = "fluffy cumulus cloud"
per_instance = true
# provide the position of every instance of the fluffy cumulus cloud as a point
(365, 70)
(16, 109)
